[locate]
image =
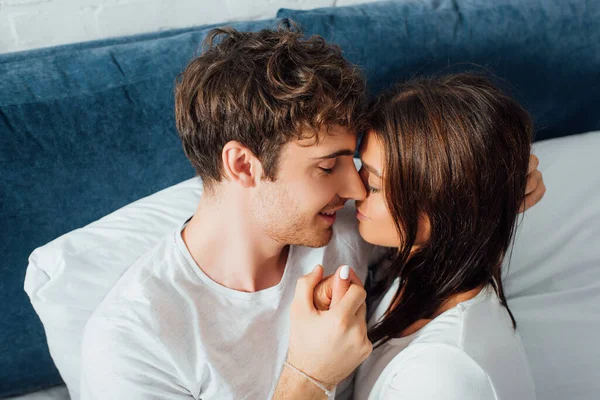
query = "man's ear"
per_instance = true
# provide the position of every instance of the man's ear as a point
(240, 164)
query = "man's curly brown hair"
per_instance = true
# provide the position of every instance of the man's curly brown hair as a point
(263, 89)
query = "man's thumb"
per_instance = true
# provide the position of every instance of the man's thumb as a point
(341, 283)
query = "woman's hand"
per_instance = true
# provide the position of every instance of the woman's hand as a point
(332, 288)
(535, 188)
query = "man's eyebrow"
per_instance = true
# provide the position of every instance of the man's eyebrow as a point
(338, 153)
(371, 169)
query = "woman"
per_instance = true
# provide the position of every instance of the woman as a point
(445, 163)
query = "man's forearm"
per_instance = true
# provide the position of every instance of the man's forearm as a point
(293, 386)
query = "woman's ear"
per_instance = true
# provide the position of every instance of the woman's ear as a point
(240, 165)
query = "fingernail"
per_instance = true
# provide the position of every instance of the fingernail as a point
(345, 272)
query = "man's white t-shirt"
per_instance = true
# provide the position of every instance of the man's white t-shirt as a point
(167, 331)
(470, 352)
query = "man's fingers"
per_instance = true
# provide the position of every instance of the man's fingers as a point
(352, 300)
(305, 287)
(323, 293)
(534, 163)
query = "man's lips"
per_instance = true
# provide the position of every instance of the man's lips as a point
(332, 211)
(329, 215)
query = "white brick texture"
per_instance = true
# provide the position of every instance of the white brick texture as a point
(29, 24)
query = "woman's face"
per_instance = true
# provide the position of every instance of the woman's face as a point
(375, 222)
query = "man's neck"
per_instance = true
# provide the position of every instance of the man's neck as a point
(229, 251)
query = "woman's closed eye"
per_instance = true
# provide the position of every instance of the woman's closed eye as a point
(373, 190)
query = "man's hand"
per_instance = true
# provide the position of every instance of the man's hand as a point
(535, 188)
(328, 345)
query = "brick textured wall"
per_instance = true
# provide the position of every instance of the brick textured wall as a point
(28, 24)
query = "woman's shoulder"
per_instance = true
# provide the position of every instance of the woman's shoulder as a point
(434, 371)
(470, 324)
(463, 353)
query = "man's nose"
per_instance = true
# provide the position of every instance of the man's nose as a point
(353, 187)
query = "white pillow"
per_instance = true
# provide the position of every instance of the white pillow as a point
(67, 278)
(553, 280)
(553, 283)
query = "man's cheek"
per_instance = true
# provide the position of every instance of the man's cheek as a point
(314, 193)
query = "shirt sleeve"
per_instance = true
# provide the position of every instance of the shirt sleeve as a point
(122, 362)
(433, 372)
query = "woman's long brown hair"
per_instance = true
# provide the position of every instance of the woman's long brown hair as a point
(457, 151)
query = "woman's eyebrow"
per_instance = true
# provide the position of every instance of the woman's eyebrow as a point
(371, 169)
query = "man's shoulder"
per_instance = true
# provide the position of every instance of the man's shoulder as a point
(136, 335)
(150, 291)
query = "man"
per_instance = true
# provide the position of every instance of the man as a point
(269, 122)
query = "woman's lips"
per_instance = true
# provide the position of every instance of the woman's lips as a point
(361, 216)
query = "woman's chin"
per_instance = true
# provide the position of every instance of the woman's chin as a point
(376, 235)
(365, 232)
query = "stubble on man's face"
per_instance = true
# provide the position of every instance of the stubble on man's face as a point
(285, 222)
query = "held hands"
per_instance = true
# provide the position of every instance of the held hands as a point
(328, 335)
(332, 288)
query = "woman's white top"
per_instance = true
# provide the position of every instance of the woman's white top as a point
(470, 352)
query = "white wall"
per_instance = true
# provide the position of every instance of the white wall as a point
(28, 24)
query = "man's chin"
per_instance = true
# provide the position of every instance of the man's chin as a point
(315, 240)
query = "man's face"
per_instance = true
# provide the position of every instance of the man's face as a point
(314, 180)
